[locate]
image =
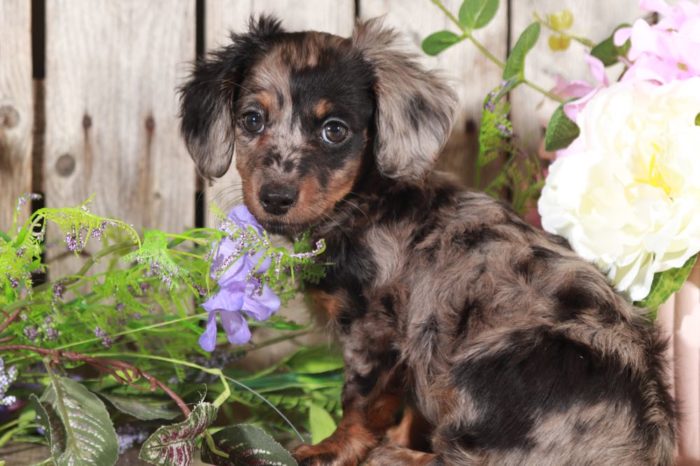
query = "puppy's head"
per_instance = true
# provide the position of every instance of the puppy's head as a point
(306, 112)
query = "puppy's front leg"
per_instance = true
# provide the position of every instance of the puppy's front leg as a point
(366, 418)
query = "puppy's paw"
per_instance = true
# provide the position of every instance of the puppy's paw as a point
(317, 455)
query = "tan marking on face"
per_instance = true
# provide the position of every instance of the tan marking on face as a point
(322, 108)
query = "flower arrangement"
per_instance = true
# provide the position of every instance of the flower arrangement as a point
(84, 355)
(623, 190)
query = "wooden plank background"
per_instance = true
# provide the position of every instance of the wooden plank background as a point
(16, 106)
(110, 102)
(112, 70)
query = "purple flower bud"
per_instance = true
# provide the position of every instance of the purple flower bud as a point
(51, 334)
(71, 241)
(14, 283)
(99, 333)
(119, 307)
(30, 332)
(58, 290)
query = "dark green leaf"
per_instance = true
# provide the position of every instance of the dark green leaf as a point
(321, 424)
(515, 65)
(607, 52)
(173, 445)
(475, 14)
(665, 284)
(142, 407)
(90, 438)
(49, 420)
(561, 131)
(246, 445)
(439, 41)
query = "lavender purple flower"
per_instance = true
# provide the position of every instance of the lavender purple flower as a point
(7, 377)
(240, 290)
(106, 339)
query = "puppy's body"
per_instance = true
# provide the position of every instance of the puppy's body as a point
(515, 350)
(512, 349)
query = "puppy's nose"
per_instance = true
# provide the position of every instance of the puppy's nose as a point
(277, 199)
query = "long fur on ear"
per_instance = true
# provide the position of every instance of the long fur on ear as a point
(415, 107)
(207, 98)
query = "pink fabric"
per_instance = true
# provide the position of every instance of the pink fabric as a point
(680, 319)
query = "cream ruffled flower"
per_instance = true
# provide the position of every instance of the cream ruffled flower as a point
(626, 193)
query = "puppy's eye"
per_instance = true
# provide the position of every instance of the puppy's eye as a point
(334, 132)
(253, 122)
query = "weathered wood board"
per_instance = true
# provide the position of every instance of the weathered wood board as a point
(16, 106)
(112, 130)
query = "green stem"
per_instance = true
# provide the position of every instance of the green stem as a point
(484, 51)
(466, 33)
(126, 332)
(217, 372)
(448, 13)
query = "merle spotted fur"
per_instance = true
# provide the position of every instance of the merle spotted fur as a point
(494, 340)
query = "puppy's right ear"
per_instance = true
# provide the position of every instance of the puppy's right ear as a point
(208, 98)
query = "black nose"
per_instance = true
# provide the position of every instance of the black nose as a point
(276, 199)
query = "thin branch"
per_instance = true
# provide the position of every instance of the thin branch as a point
(123, 372)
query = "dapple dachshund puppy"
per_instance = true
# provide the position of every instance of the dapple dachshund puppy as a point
(492, 336)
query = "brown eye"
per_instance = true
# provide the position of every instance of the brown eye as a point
(253, 122)
(334, 132)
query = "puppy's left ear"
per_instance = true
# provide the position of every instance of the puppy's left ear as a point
(207, 99)
(415, 107)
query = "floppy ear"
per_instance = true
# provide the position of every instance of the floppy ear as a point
(415, 107)
(207, 99)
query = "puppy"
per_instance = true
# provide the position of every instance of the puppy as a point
(495, 335)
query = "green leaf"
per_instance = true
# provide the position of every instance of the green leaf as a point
(665, 284)
(475, 14)
(315, 360)
(439, 41)
(143, 408)
(607, 52)
(561, 131)
(49, 420)
(88, 437)
(697, 119)
(246, 445)
(173, 445)
(515, 65)
(321, 423)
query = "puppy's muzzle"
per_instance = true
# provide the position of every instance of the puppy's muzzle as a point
(277, 199)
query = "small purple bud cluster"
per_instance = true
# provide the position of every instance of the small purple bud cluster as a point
(106, 340)
(97, 232)
(505, 130)
(58, 290)
(76, 240)
(30, 332)
(22, 200)
(7, 377)
(14, 283)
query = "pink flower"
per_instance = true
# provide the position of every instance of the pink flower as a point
(666, 51)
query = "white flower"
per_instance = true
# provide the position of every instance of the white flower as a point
(626, 193)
